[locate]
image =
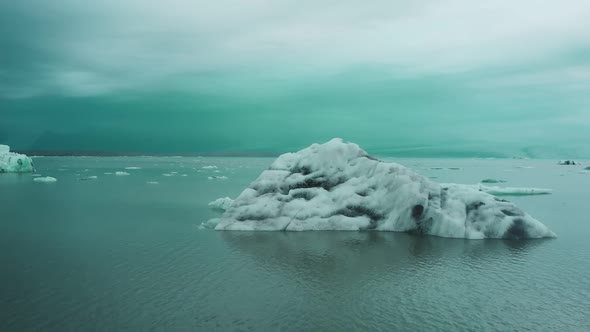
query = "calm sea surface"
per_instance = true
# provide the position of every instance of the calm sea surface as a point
(116, 253)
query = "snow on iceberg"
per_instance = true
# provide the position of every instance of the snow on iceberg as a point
(221, 203)
(11, 162)
(338, 186)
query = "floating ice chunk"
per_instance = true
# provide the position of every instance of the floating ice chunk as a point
(184, 175)
(11, 162)
(503, 191)
(492, 181)
(209, 167)
(167, 174)
(221, 203)
(153, 182)
(568, 162)
(132, 167)
(338, 186)
(45, 179)
(173, 172)
(209, 224)
(223, 177)
(121, 173)
(93, 177)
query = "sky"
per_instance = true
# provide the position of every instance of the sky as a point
(456, 78)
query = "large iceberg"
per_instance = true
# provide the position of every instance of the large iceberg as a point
(338, 186)
(14, 162)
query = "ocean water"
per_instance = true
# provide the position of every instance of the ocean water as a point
(116, 253)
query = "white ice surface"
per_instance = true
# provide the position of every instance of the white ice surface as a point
(119, 173)
(45, 179)
(338, 186)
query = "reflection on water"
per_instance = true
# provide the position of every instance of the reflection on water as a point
(338, 252)
(399, 280)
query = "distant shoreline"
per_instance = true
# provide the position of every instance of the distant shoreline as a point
(38, 153)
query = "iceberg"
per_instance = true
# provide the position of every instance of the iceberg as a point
(11, 162)
(338, 186)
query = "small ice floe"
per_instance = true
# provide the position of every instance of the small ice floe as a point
(153, 182)
(167, 174)
(216, 171)
(173, 172)
(93, 177)
(217, 177)
(121, 173)
(492, 181)
(184, 175)
(221, 203)
(209, 224)
(209, 167)
(132, 167)
(45, 179)
(511, 191)
(567, 162)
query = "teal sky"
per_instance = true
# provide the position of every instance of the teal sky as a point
(402, 78)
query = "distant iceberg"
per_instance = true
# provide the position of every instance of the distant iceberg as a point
(45, 179)
(512, 191)
(338, 186)
(568, 162)
(11, 162)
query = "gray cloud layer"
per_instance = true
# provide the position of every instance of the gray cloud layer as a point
(518, 71)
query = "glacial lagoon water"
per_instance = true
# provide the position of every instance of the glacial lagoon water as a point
(118, 253)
